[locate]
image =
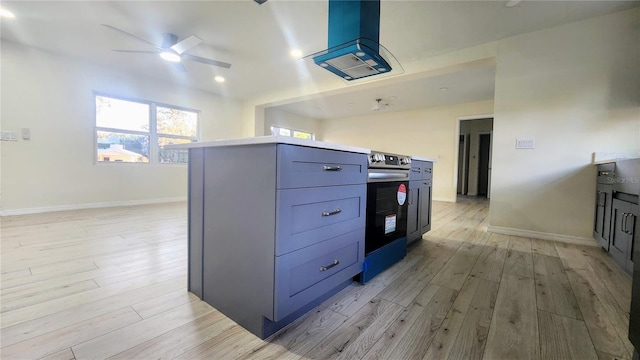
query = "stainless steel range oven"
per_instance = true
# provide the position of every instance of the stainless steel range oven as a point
(387, 209)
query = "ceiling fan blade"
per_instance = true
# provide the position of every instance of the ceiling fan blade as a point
(132, 36)
(136, 51)
(179, 67)
(206, 61)
(186, 44)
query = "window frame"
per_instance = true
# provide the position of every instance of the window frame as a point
(154, 148)
(313, 135)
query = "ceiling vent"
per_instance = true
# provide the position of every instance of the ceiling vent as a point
(354, 34)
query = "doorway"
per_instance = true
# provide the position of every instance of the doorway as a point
(474, 157)
(483, 164)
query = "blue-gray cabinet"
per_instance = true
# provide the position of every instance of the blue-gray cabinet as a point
(419, 212)
(274, 229)
(616, 210)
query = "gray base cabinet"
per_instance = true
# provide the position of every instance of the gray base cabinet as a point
(274, 229)
(624, 228)
(419, 216)
(616, 210)
(602, 217)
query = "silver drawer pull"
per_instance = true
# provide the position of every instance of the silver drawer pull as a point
(325, 268)
(329, 213)
(331, 168)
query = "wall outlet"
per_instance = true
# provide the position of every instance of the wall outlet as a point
(8, 136)
(528, 143)
(26, 134)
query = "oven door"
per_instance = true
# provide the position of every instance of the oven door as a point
(387, 209)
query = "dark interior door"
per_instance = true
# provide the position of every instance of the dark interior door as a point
(483, 164)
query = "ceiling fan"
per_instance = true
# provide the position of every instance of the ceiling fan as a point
(171, 49)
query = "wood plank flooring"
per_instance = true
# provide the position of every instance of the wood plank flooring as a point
(111, 284)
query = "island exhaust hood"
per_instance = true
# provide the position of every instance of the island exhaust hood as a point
(354, 34)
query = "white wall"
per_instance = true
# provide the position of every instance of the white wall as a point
(474, 128)
(276, 117)
(575, 89)
(429, 132)
(53, 96)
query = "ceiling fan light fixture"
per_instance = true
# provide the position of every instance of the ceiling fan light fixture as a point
(170, 56)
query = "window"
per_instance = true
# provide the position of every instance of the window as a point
(137, 131)
(276, 130)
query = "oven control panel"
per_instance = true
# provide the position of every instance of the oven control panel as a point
(381, 160)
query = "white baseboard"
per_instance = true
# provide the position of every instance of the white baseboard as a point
(445, 199)
(544, 236)
(13, 212)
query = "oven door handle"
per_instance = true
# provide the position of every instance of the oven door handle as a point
(388, 176)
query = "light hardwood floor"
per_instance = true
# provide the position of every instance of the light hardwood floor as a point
(111, 283)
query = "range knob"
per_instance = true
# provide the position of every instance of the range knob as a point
(405, 160)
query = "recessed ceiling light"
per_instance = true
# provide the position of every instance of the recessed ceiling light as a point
(444, 88)
(6, 13)
(219, 79)
(512, 3)
(170, 56)
(296, 53)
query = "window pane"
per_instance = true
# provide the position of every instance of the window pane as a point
(177, 122)
(120, 147)
(303, 135)
(173, 156)
(121, 114)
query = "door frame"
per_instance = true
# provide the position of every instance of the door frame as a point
(457, 147)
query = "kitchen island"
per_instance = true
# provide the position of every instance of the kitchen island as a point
(276, 226)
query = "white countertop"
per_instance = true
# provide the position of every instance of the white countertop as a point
(273, 139)
(603, 158)
(420, 158)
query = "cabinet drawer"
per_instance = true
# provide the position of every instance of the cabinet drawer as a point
(416, 170)
(606, 172)
(427, 171)
(308, 216)
(306, 274)
(300, 166)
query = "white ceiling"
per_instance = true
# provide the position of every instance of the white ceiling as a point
(256, 39)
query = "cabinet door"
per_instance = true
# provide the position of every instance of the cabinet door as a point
(425, 206)
(631, 227)
(413, 217)
(619, 244)
(598, 222)
(602, 215)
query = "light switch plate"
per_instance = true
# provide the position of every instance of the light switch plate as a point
(26, 134)
(528, 143)
(8, 136)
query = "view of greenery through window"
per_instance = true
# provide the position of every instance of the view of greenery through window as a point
(131, 131)
(276, 130)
